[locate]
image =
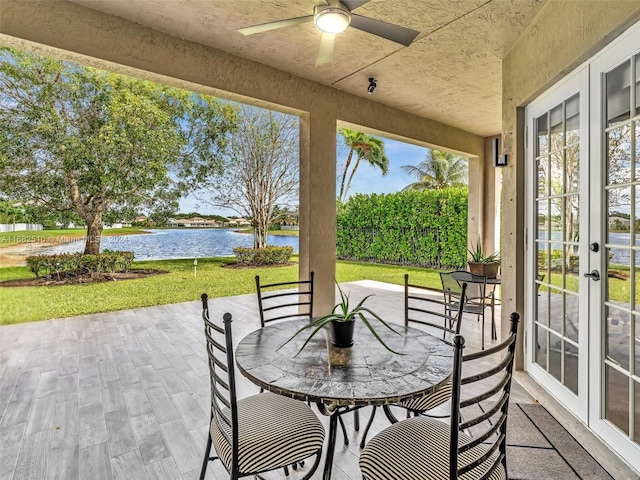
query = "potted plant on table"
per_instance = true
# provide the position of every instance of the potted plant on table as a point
(342, 322)
(481, 263)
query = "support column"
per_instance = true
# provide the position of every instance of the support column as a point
(475, 205)
(318, 206)
(491, 213)
(513, 241)
(483, 202)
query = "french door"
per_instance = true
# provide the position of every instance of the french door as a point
(615, 138)
(557, 234)
(583, 243)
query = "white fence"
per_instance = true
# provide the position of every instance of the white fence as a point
(19, 227)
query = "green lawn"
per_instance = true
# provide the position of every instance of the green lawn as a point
(618, 289)
(25, 304)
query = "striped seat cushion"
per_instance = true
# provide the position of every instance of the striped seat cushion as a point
(431, 401)
(274, 431)
(418, 449)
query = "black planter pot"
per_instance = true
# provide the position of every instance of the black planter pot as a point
(342, 333)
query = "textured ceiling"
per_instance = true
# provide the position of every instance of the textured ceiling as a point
(451, 73)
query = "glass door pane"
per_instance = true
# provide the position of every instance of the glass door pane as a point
(622, 287)
(557, 207)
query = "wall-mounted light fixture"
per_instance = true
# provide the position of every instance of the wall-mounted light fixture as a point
(372, 85)
(498, 160)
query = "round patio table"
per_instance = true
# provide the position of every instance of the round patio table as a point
(343, 379)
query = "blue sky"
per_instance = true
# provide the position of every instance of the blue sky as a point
(369, 180)
(366, 180)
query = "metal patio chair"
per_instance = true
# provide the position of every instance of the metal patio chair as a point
(259, 433)
(290, 301)
(285, 300)
(425, 307)
(464, 449)
(477, 299)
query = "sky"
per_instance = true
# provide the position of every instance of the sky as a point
(366, 180)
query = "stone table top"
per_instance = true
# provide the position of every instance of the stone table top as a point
(364, 374)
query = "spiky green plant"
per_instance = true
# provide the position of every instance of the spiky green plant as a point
(478, 255)
(342, 313)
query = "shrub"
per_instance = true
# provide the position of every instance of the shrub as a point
(426, 228)
(78, 263)
(271, 255)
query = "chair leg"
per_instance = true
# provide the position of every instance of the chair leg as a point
(387, 411)
(313, 467)
(356, 420)
(344, 430)
(207, 450)
(494, 332)
(366, 429)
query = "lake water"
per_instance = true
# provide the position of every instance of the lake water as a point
(619, 256)
(177, 243)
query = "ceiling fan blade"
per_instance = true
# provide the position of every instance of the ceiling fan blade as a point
(392, 32)
(326, 49)
(353, 4)
(265, 27)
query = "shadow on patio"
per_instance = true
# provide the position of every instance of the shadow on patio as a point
(125, 395)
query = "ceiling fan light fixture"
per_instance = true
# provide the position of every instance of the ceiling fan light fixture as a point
(332, 19)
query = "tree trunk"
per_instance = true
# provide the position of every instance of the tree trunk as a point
(353, 171)
(344, 173)
(260, 231)
(94, 230)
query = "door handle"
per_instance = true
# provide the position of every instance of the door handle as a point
(593, 275)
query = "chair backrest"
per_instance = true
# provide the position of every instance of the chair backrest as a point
(277, 301)
(426, 306)
(483, 410)
(224, 410)
(477, 284)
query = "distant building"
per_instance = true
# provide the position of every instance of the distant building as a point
(238, 222)
(615, 219)
(290, 223)
(194, 222)
(17, 227)
(118, 225)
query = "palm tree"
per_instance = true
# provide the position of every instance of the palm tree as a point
(365, 147)
(437, 171)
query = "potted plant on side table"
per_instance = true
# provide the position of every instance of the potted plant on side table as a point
(481, 263)
(342, 322)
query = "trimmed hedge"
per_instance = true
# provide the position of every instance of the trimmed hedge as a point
(79, 263)
(270, 255)
(425, 228)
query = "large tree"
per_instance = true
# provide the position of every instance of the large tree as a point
(78, 139)
(438, 170)
(261, 171)
(364, 147)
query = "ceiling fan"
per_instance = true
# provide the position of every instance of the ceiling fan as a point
(334, 16)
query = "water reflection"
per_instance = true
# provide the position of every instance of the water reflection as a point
(619, 256)
(177, 243)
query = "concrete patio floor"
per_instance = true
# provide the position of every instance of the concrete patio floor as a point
(125, 395)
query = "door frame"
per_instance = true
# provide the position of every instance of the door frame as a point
(576, 82)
